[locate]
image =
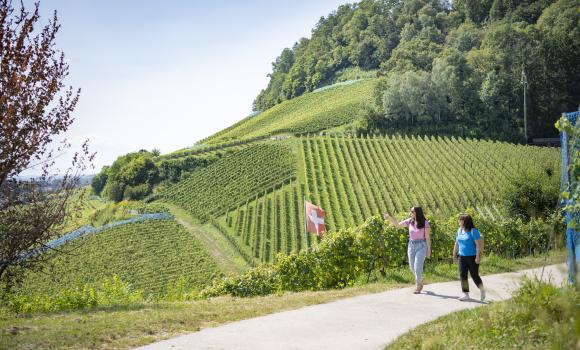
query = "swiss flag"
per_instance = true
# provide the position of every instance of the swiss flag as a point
(314, 218)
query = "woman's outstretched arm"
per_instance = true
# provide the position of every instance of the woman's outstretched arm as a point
(393, 221)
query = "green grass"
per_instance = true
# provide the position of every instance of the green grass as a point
(94, 211)
(308, 113)
(150, 256)
(125, 327)
(540, 316)
(226, 255)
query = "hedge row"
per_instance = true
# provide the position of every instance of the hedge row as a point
(342, 256)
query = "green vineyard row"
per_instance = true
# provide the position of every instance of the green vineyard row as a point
(308, 113)
(270, 223)
(355, 178)
(214, 190)
(209, 150)
(150, 255)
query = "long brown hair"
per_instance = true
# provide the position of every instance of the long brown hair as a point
(419, 220)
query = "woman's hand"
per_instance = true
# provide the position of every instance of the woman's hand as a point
(477, 259)
(429, 252)
(392, 220)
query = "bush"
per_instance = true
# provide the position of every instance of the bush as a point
(255, 281)
(137, 192)
(343, 256)
(297, 271)
(178, 291)
(552, 313)
(111, 292)
(340, 259)
(532, 195)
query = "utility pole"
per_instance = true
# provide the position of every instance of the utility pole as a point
(524, 81)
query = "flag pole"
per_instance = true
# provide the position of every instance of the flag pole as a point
(305, 222)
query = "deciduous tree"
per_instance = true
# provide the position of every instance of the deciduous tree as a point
(35, 107)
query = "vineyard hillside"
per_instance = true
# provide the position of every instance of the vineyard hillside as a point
(255, 197)
(152, 256)
(211, 191)
(207, 151)
(333, 106)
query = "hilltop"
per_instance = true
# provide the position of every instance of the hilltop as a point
(459, 67)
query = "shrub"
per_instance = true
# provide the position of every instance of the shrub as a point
(532, 194)
(552, 313)
(297, 271)
(255, 281)
(342, 256)
(341, 259)
(111, 292)
(137, 192)
(178, 291)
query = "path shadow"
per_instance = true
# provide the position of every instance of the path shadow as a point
(443, 296)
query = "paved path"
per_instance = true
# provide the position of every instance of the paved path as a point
(363, 322)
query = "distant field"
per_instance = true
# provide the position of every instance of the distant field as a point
(309, 113)
(149, 255)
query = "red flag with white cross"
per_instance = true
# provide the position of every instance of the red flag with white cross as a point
(314, 217)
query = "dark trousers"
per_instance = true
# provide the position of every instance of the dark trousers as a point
(467, 263)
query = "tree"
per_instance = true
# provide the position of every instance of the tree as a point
(99, 181)
(35, 107)
(412, 97)
(132, 176)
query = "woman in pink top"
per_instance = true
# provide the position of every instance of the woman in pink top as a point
(419, 242)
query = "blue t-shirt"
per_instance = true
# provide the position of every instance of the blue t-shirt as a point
(466, 242)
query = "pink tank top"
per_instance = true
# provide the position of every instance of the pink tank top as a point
(414, 232)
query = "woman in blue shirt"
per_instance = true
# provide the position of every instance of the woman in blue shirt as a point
(469, 247)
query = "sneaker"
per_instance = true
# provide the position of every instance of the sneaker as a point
(483, 295)
(465, 297)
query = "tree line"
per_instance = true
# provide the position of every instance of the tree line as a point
(457, 67)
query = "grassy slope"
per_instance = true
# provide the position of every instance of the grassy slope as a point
(120, 328)
(221, 250)
(308, 113)
(150, 255)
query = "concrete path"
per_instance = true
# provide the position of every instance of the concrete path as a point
(364, 322)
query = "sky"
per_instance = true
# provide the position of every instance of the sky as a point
(166, 74)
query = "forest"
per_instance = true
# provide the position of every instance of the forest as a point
(456, 67)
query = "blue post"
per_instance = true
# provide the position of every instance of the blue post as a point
(572, 226)
(573, 248)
